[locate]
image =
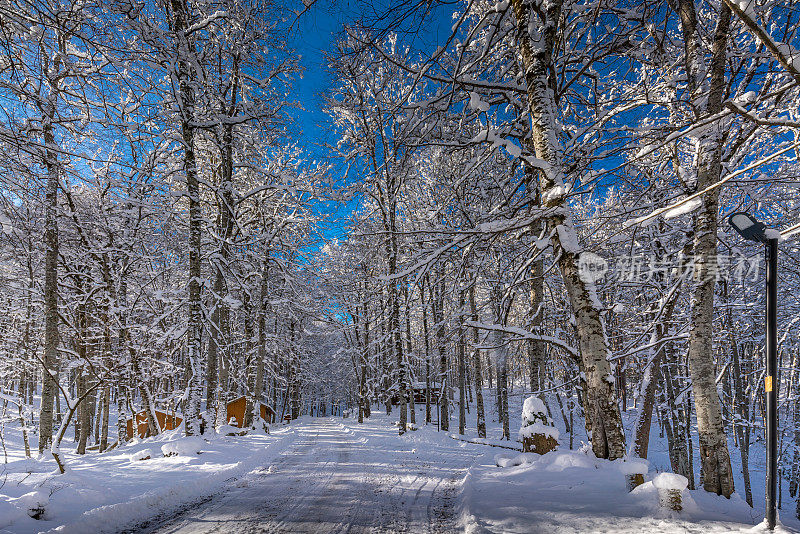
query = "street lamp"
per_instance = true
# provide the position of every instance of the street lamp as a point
(753, 230)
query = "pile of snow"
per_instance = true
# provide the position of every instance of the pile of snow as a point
(670, 481)
(535, 420)
(230, 430)
(188, 446)
(143, 454)
(34, 503)
(513, 460)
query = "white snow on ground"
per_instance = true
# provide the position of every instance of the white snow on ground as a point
(343, 477)
(328, 474)
(104, 492)
(572, 491)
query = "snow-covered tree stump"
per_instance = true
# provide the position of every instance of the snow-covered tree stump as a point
(537, 432)
(670, 486)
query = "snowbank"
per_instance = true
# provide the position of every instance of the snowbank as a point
(120, 488)
(573, 491)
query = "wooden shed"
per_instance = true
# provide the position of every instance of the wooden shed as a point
(165, 421)
(236, 408)
(420, 388)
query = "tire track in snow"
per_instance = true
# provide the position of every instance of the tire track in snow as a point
(339, 480)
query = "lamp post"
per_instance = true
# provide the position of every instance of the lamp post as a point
(753, 230)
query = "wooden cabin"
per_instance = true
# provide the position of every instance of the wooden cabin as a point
(165, 421)
(237, 407)
(419, 393)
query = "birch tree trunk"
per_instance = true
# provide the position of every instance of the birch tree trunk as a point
(219, 340)
(408, 359)
(294, 381)
(678, 438)
(257, 393)
(425, 334)
(462, 369)
(476, 363)
(715, 462)
(364, 408)
(537, 355)
(107, 354)
(82, 421)
(740, 404)
(536, 349)
(195, 323)
(51, 337)
(535, 40)
(500, 355)
(106, 396)
(437, 303)
(49, 363)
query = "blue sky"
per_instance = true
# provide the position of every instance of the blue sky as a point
(315, 35)
(317, 31)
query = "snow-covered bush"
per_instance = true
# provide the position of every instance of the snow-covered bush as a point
(231, 429)
(537, 432)
(144, 454)
(34, 503)
(187, 446)
(513, 460)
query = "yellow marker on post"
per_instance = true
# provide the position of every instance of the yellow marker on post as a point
(767, 384)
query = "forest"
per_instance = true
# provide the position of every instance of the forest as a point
(504, 199)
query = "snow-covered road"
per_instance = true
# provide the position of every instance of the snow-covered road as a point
(337, 479)
(336, 475)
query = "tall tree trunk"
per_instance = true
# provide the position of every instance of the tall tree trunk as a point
(83, 421)
(678, 443)
(500, 352)
(51, 337)
(294, 383)
(106, 396)
(740, 422)
(462, 366)
(256, 394)
(365, 321)
(219, 340)
(425, 335)
(212, 360)
(107, 354)
(476, 363)
(437, 303)
(409, 356)
(715, 462)
(603, 420)
(537, 355)
(195, 322)
(396, 336)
